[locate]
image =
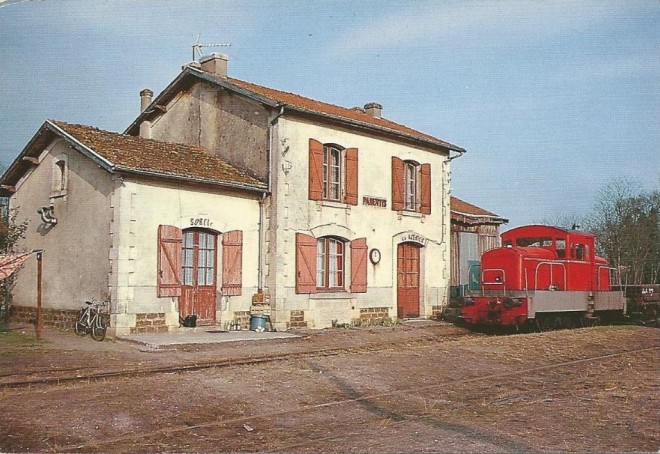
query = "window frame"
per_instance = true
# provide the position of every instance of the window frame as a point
(193, 252)
(411, 186)
(330, 265)
(329, 182)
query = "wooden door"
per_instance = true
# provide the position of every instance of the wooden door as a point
(198, 276)
(408, 280)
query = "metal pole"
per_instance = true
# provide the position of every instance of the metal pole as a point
(39, 317)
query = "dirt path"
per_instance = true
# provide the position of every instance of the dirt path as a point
(420, 389)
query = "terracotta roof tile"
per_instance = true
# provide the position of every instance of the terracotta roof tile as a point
(161, 158)
(352, 114)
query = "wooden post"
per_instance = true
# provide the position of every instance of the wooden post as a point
(39, 316)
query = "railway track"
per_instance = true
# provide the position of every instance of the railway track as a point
(353, 397)
(90, 373)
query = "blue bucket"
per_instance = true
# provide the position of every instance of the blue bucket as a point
(258, 321)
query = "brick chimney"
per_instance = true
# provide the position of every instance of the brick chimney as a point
(215, 64)
(146, 96)
(374, 109)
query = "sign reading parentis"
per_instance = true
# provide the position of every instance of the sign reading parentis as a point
(374, 202)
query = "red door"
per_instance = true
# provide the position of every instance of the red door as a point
(198, 276)
(408, 280)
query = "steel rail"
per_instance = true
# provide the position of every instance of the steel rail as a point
(336, 403)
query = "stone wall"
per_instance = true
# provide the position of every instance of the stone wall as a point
(373, 315)
(297, 320)
(59, 318)
(150, 323)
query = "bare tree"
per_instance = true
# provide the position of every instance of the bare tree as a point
(626, 222)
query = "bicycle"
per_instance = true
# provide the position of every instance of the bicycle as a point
(90, 320)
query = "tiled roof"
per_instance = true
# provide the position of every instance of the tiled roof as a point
(355, 115)
(137, 154)
(460, 207)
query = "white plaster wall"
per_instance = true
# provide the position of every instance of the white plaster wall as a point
(75, 260)
(383, 228)
(141, 207)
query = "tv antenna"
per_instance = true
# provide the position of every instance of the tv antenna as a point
(197, 47)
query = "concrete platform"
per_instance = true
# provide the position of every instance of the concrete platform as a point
(201, 335)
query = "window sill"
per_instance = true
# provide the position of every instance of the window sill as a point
(332, 204)
(340, 294)
(411, 214)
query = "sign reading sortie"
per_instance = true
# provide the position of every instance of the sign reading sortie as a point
(414, 237)
(374, 202)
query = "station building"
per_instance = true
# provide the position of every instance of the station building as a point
(223, 193)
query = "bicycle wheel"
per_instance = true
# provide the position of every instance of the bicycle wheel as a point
(98, 328)
(81, 326)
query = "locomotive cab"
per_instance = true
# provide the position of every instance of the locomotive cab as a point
(542, 273)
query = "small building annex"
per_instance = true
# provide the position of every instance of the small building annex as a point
(222, 192)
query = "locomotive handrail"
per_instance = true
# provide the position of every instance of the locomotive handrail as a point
(551, 264)
(609, 268)
(502, 283)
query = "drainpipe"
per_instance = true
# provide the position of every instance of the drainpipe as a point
(446, 162)
(271, 148)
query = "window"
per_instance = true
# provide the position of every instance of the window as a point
(579, 252)
(561, 248)
(60, 175)
(321, 264)
(411, 186)
(198, 248)
(189, 258)
(329, 263)
(333, 172)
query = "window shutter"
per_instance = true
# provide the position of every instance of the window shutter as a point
(305, 263)
(315, 170)
(359, 265)
(425, 205)
(352, 176)
(232, 262)
(169, 260)
(397, 184)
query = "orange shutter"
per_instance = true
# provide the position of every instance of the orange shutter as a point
(352, 176)
(169, 260)
(425, 205)
(305, 263)
(232, 262)
(397, 184)
(359, 265)
(315, 170)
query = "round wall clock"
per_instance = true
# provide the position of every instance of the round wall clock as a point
(374, 256)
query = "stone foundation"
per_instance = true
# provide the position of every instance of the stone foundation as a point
(149, 323)
(59, 318)
(297, 320)
(373, 316)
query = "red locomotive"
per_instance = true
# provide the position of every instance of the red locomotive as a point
(545, 277)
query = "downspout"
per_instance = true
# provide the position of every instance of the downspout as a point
(260, 271)
(446, 162)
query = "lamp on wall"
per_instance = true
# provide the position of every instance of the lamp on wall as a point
(48, 214)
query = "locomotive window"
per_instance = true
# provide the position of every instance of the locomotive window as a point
(561, 248)
(534, 242)
(578, 251)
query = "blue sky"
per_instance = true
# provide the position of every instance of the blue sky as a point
(552, 100)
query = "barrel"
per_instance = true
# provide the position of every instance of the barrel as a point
(258, 322)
